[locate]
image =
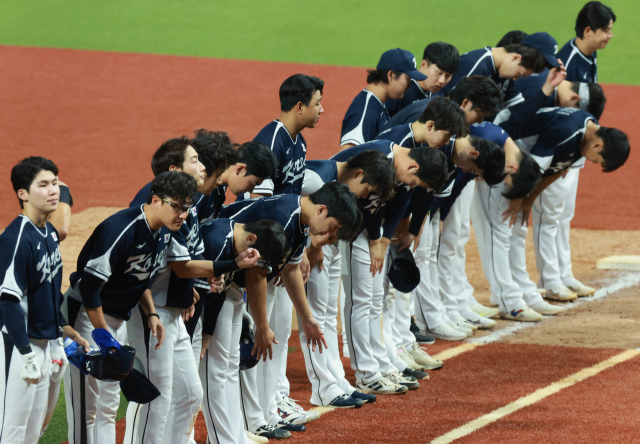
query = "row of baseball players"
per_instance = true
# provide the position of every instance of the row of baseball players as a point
(137, 274)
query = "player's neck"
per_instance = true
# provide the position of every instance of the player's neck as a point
(344, 173)
(589, 135)
(238, 235)
(153, 221)
(290, 122)
(38, 218)
(499, 55)
(419, 132)
(584, 47)
(379, 90)
(306, 208)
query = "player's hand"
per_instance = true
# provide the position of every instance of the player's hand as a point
(72, 334)
(59, 361)
(30, 370)
(305, 268)
(196, 296)
(314, 334)
(526, 210)
(216, 284)
(157, 329)
(512, 211)
(206, 339)
(248, 258)
(404, 240)
(316, 257)
(554, 78)
(187, 313)
(377, 249)
(263, 340)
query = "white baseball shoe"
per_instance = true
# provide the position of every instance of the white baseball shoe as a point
(447, 332)
(382, 386)
(294, 413)
(408, 359)
(545, 308)
(475, 319)
(522, 314)
(423, 359)
(460, 321)
(487, 312)
(256, 438)
(580, 289)
(560, 293)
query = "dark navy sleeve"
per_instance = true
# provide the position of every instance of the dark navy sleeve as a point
(394, 212)
(409, 114)
(489, 131)
(422, 206)
(462, 179)
(15, 261)
(13, 318)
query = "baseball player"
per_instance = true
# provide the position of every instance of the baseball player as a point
(556, 205)
(564, 135)
(365, 173)
(362, 271)
(33, 326)
(331, 207)
(114, 269)
(223, 239)
(439, 61)
(504, 65)
(367, 114)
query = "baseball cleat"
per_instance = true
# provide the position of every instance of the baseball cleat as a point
(256, 438)
(475, 319)
(462, 328)
(545, 308)
(283, 424)
(368, 398)
(542, 291)
(270, 432)
(422, 358)
(487, 312)
(580, 289)
(346, 402)
(290, 404)
(459, 321)
(560, 293)
(447, 333)
(407, 359)
(382, 386)
(418, 375)
(408, 381)
(420, 338)
(522, 314)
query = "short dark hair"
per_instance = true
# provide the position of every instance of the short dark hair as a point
(433, 169)
(490, 160)
(511, 37)
(446, 116)
(298, 88)
(175, 185)
(483, 92)
(525, 179)
(594, 15)
(377, 170)
(616, 148)
(341, 203)
(170, 153)
(597, 99)
(271, 242)
(444, 55)
(24, 173)
(532, 58)
(259, 159)
(215, 150)
(380, 75)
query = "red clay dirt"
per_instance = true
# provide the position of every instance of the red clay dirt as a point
(101, 115)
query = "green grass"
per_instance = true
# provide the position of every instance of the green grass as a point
(57, 430)
(334, 32)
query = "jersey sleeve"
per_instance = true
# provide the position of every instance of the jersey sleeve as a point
(15, 260)
(296, 258)
(267, 185)
(108, 248)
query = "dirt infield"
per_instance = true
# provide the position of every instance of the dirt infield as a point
(100, 116)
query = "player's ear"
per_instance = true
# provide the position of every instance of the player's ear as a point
(474, 153)
(174, 168)
(23, 194)
(431, 125)
(511, 168)
(424, 64)
(517, 58)
(575, 100)
(240, 167)
(322, 209)
(357, 173)
(251, 239)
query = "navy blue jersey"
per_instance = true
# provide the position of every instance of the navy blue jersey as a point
(489, 131)
(123, 251)
(209, 206)
(282, 208)
(580, 68)
(552, 137)
(291, 155)
(318, 173)
(402, 135)
(364, 119)
(31, 272)
(414, 94)
(533, 99)
(218, 240)
(409, 114)
(370, 205)
(168, 289)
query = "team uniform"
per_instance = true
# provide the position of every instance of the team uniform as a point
(259, 385)
(414, 94)
(31, 276)
(364, 119)
(325, 370)
(553, 137)
(123, 254)
(172, 368)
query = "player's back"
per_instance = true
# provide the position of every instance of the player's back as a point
(409, 114)
(478, 62)
(401, 134)
(363, 120)
(414, 94)
(317, 173)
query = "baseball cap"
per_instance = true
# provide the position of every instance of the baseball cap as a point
(544, 43)
(401, 61)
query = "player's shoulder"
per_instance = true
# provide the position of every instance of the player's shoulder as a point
(270, 133)
(566, 50)
(141, 196)
(217, 226)
(474, 55)
(17, 232)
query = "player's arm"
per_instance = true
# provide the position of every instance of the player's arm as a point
(293, 282)
(204, 269)
(89, 288)
(377, 244)
(61, 218)
(149, 308)
(256, 286)
(528, 201)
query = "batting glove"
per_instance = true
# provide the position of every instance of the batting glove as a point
(30, 370)
(247, 316)
(59, 361)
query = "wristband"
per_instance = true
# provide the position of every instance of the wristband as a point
(153, 314)
(224, 267)
(65, 195)
(25, 350)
